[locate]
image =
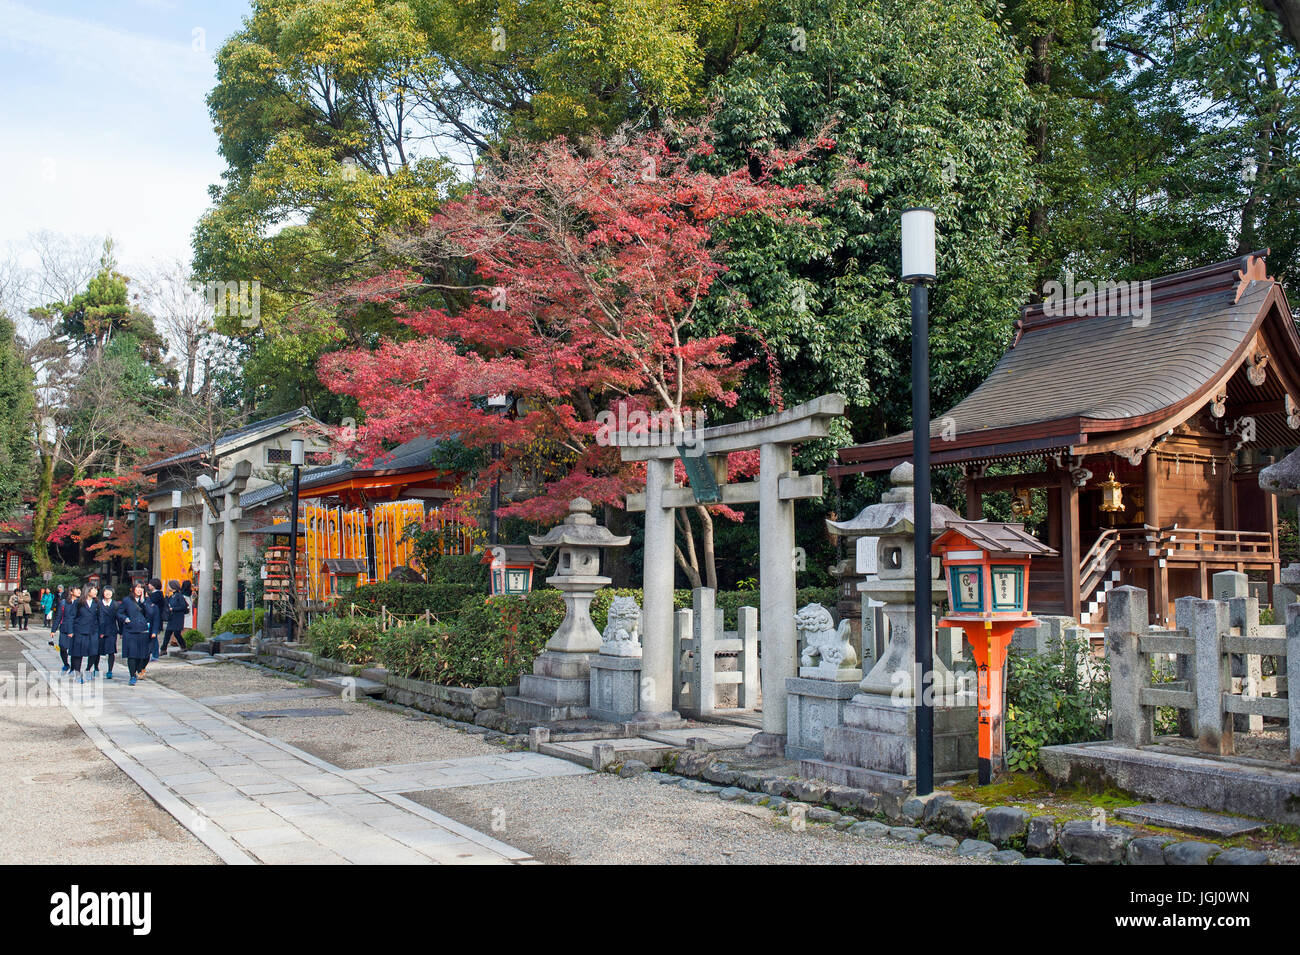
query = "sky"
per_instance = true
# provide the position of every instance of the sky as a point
(103, 125)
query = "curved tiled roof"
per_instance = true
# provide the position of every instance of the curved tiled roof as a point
(1068, 375)
(1107, 368)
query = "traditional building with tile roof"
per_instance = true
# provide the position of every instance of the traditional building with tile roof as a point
(1144, 413)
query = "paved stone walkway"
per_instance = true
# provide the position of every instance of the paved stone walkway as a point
(252, 799)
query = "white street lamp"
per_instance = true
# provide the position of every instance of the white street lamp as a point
(918, 245)
(918, 269)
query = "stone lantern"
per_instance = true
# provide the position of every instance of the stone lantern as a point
(558, 687)
(874, 747)
(891, 523)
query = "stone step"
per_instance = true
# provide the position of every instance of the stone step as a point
(539, 711)
(583, 752)
(1195, 821)
(349, 684)
(246, 657)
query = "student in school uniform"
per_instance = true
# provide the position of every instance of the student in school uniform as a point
(133, 621)
(108, 629)
(156, 609)
(64, 623)
(178, 611)
(85, 631)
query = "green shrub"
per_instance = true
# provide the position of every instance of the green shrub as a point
(467, 570)
(236, 621)
(190, 636)
(409, 651)
(1060, 697)
(489, 643)
(348, 641)
(408, 600)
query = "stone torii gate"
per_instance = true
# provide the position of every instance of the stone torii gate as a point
(775, 492)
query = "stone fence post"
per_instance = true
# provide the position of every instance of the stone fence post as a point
(685, 694)
(747, 632)
(1293, 678)
(1126, 611)
(706, 638)
(1243, 612)
(1207, 622)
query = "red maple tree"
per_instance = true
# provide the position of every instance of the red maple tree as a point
(569, 278)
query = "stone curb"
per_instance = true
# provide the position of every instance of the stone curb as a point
(478, 706)
(1005, 835)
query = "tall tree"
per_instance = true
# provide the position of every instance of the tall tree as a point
(17, 405)
(587, 267)
(931, 97)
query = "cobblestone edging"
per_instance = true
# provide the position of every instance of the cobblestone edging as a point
(479, 706)
(1000, 834)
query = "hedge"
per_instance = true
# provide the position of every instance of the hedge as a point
(350, 641)
(468, 570)
(490, 643)
(490, 640)
(408, 599)
(236, 621)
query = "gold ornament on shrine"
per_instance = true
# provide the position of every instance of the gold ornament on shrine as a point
(1022, 505)
(1112, 495)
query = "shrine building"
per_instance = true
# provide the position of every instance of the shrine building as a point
(1144, 413)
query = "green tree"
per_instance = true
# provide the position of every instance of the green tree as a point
(17, 413)
(931, 96)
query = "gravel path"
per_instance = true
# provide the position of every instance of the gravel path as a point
(604, 819)
(63, 802)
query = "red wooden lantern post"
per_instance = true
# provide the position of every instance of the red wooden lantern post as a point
(986, 566)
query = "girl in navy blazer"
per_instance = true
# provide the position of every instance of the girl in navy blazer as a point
(65, 617)
(156, 609)
(108, 631)
(85, 631)
(178, 609)
(133, 621)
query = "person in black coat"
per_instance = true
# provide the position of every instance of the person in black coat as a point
(156, 610)
(64, 623)
(108, 632)
(178, 611)
(85, 631)
(137, 640)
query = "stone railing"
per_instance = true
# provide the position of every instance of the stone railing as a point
(698, 642)
(1211, 637)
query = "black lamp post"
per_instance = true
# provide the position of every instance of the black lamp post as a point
(498, 403)
(176, 509)
(919, 269)
(297, 457)
(153, 522)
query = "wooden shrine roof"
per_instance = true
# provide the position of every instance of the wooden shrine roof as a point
(1088, 383)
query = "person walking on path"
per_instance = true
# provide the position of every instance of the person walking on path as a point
(47, 605)
(137, 637)
(21, 601)
(156, 609)
(85, 632)
(64, 624)
(108, 630)
(178, 609)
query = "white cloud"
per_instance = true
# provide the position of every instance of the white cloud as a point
(71, 45)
